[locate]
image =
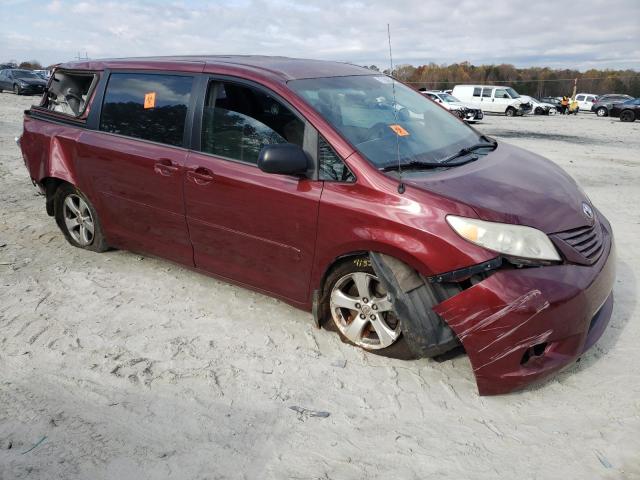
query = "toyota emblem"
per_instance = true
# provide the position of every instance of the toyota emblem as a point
(587, 210)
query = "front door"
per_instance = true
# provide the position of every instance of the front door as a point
(134, 166)
(252, 227)
(501, 100)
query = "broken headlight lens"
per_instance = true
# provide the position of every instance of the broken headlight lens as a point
(512, 240)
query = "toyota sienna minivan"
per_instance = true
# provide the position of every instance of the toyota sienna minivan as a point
(338, 190)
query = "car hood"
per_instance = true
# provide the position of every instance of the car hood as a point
(32, 81)
(512, 185)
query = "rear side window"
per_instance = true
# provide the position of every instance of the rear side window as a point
(580, 98)
(486, 92)
(239, 120)
(147, 106)
(476, 91)
(69, 92)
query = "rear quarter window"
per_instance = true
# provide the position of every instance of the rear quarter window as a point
(69, 92)
(147, 106)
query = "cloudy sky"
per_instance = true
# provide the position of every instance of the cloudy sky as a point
(589, 33)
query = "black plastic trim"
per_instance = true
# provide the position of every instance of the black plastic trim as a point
(463, 273)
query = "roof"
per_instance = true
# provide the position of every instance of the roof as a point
(283, 67)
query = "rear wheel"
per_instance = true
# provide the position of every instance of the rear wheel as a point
(510, 112)
(361, 310)
(627, 116)
(601, 112)
(78, 220)
(16, 89)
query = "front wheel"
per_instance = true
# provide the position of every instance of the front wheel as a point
(362, 311)
(601, 112)
(78, 220)
(510, 112)
(16, 89)
(627, 116)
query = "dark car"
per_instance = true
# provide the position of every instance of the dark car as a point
(603, 103)
(628, 111)
(555, 101)
(338, 190)
(21, 82)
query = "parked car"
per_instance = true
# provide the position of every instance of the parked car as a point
(628, 111)
(451, 103)
(44, 74)
(585, 101)
(538, 107)
(21, 82)
(603, 104)
(492, 99)
(338, 190)
(555, 101)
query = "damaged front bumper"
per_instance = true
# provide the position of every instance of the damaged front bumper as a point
(521, 325)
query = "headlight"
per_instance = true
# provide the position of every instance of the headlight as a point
(513, 240)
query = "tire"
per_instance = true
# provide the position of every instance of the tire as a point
(510, 112)
(344, 303)
(538, 111)
(78, 219)
(17, 90)
(627, 116)
(602, 112)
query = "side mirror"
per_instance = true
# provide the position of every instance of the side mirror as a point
(283, 158)
(504, 95)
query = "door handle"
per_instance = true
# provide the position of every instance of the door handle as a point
(200, 176)
(165, 167)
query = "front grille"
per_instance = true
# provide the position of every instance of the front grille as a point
(586, 241)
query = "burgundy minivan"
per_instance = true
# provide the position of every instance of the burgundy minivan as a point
(338, 190)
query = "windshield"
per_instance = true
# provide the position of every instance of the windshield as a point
(512, 93)
(362, 109)
(448, 98)
(24, 74)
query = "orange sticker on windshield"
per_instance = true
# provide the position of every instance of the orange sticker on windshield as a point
(150, 100)
(401, 132)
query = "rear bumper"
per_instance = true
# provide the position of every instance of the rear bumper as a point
(519, 326)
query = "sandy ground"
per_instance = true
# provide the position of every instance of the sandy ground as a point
(121, 366)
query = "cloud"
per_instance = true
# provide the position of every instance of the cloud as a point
(554, 33)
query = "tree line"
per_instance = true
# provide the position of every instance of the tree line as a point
(533, 81)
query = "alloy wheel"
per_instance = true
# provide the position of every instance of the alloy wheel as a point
(363, 312)
(78, 220)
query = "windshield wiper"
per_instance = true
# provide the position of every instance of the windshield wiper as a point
(467, 150)
(446, 162)
(415, 165)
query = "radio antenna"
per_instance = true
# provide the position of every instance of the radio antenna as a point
(401, 187)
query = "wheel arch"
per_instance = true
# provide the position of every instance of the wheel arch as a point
(51, 186)
(363, 250)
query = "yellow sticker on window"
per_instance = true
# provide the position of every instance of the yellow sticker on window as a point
(401, 132)
(150, 100)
